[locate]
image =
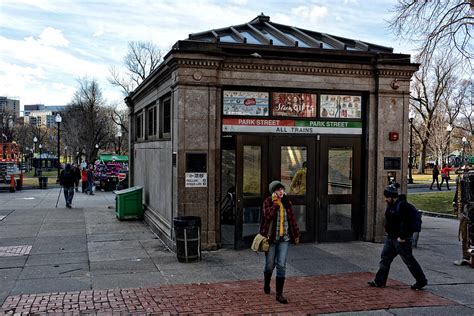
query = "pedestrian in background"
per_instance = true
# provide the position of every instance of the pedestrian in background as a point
(445, 175)
(435, 177)
(90, 179)
(84, 180)
(77, 175)
(279, 223)
(67, 179)
(398, 240)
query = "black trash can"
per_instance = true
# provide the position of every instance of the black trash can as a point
(43, 182)
(18, 185)
(187, 230)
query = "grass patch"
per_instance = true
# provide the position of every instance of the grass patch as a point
(423, 178)
(439, 202)
(35, 181)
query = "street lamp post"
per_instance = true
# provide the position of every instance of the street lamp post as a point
(449, 129)
(35, 140)
(464, 142)
(97, 150)
(41, 161)
(119, 136)
(65, 153)
(410, 159)
(58, 119)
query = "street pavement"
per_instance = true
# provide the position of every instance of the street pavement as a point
(85, 260)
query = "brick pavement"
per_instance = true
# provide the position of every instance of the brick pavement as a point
(307, 295)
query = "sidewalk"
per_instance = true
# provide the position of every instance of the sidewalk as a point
(84, 259)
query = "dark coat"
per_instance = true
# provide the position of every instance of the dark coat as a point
(270, 211)
(67, 178)
(394, 220)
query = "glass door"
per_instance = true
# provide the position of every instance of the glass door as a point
(340, 201)
(291, 161)
(251, 180)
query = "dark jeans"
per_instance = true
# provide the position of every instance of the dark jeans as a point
(447, 182)
(68, 195)
(437, 183)
(391, 249)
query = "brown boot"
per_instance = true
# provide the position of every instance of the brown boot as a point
(266, 285)
(280, 283)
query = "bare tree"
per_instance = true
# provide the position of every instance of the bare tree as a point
(87, 121)
(466, 105)
(428, 96)
(141, 59)
(436, 25)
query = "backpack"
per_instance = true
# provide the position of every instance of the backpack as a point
(414, 216)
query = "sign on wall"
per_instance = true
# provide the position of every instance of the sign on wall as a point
(251, 125)
(340, 106)
(245, 103)
(196, 180)
(294, 104)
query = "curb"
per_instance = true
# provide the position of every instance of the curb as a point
(441, 215)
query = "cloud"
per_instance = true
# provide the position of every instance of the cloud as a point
(53, 37)
(312, 13)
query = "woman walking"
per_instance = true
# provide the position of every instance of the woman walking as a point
(435, 178)
(279, 224)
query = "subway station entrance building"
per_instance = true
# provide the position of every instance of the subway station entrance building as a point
(229, 110)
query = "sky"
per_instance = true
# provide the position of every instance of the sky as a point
(46, 45)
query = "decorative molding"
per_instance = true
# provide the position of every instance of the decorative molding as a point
(199, 63)
(197, 75)
(395, 73)
(242, 66)
(297, 69)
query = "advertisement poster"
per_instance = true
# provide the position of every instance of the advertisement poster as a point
(294, 104)
(245, 103)
(340, 106)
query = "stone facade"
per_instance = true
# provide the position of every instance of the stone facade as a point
(194, 76)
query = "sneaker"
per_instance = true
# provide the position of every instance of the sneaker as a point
(373, 284)
(419, 285)
(461, 262)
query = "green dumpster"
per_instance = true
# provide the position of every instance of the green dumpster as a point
(128, 203)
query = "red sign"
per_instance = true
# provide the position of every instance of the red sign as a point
(121, 176)
(393, 136)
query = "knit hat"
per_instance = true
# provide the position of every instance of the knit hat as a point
(275, 185)
(391, 191)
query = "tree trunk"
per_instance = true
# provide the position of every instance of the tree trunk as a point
(421, 167)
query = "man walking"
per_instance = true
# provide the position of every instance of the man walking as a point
(67, 179)
(90, 179)
(398, 240)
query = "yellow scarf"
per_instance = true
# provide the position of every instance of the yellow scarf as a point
(282, 214)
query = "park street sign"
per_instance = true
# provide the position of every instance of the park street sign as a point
(245, 125)
(196, 180)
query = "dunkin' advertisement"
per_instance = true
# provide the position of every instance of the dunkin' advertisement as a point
(245, 103)
(340, 106)
(294, 104)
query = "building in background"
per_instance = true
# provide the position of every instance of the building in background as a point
(10, 105)
(39, 114)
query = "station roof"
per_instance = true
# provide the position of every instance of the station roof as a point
(261, 31)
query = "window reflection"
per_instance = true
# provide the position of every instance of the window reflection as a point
(339, 217)
(340, 171)
(294, 169)
(252, 170)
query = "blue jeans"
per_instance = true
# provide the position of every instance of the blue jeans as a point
(277, 255)
(90, 184)
(68, 195)
(391, 249)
